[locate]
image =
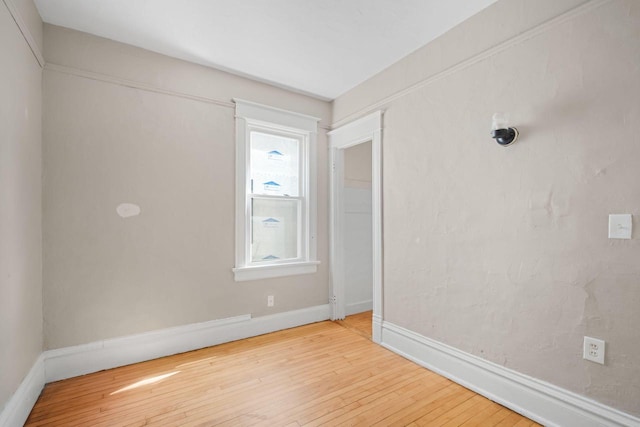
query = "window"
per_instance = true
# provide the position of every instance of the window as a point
(275, 192)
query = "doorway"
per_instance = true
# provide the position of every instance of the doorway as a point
(357, 255)
(355, 220)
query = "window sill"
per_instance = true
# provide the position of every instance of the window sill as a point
(274, 270)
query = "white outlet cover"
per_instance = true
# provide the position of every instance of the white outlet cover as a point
(593, 350)
(620, 226)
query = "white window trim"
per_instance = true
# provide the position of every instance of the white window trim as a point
(248, 115)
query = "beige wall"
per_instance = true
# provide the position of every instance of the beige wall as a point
(503, 252)
(20, 207)
(357, 166)
(107, 143)
(478, 34)
(28, 13)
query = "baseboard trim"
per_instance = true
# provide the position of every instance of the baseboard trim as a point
(376, 329)
(87, 358)
(542, 402)
(358, 307)
(538, 400)
(17, 409)
(67, 362)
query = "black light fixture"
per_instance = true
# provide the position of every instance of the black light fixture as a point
(501, 132)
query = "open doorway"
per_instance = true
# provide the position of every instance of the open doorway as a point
(356, 226)
(358, 223)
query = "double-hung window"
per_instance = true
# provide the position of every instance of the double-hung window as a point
(275, 192)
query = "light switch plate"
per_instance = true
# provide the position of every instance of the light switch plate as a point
(620, 226)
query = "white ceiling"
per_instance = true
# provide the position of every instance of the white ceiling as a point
(319, 47)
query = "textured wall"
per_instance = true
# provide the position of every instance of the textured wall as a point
(107, 144)
(503, 252)
(494, 25)
(20, 207)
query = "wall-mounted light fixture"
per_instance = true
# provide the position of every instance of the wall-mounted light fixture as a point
(501, 132)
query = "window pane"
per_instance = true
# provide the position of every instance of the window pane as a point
(275, 229)
(275, 167)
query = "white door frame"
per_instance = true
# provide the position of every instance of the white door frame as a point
(366, 129)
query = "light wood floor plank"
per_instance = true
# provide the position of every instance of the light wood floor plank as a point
(327, 373)
(479, 419)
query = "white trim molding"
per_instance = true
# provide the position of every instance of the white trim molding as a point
(268, 114)
(87, 358)
(543, 402)
(18, 408)
(277, 270)
(68, 362)
(538, 400)
(366, 129)
(376, 328)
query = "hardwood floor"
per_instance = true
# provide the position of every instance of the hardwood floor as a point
(359, 323)
(319, 374)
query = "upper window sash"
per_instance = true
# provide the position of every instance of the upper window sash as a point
(277, 163)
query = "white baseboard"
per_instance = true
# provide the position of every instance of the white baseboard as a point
(87, 358)
(53, 365)
(542, 402)
(538, 400)
(376, 329)
(358, 307)
(17, 409)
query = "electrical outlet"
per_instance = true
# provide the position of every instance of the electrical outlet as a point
(270, 301)
(594, 350)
